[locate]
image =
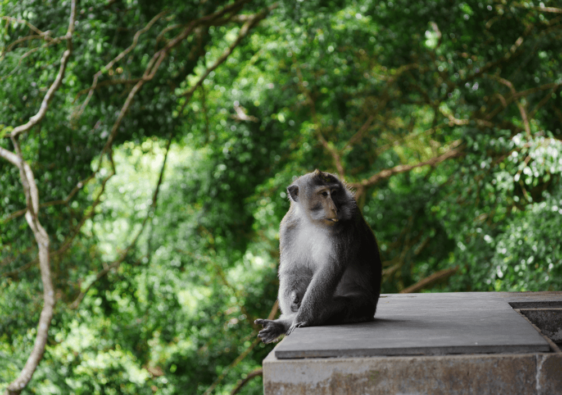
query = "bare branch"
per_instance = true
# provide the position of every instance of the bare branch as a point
(543, 9)
(240, 113)
(154, 64)
(81, 184)
(244, 30)
(461, 122)
(544, 100)
(359, 135)
(32, 27)
(166, 30)
(505, 102)
(424, 283)
(34, 120)
(242, 383)
(149, 74)
(10, 157)
(124, 254)
(327, 146)
(117, 81)
(452, 153)
(549, 9)
(42, 238)
(241, 356)
(519, 105)
(19, 40)
(115, 60)
(32, 217)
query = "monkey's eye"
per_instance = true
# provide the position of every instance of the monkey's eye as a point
(334, 191)
(325, 194)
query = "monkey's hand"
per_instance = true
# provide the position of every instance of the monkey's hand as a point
(296, 324)
(271, 330)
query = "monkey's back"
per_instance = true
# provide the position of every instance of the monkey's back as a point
(364, 269)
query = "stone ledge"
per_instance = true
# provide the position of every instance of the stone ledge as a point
(498, 351)
(510, 374)
(428, 324)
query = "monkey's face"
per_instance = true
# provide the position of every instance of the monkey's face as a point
(322, 204)
(321, 197)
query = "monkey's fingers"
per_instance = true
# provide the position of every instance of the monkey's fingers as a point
(268, 335)
(262, 322)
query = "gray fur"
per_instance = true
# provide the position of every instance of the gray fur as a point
(330, 267)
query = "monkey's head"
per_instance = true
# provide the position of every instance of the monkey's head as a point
(322, 197)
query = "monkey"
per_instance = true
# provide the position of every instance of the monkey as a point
(330, 267)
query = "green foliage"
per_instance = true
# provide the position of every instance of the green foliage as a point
(359, 87)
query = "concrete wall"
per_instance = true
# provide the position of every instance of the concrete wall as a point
(464, 374)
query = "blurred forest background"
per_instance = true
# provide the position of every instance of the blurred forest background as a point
(153, 142)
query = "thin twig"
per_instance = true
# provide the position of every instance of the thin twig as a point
(317, 125)
(242, 383)
(543, 9)
(149, 214)
(544, 100)
(359, 135)
(115, 60)
(241, 356)
(426, 282)
(154, 65)
(383, 174)
(244, 30)
(32, 27)
(34, 120)
(519, 105)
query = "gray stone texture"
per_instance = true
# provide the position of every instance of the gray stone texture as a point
(426, 324)
(469, 343)
(510, 374)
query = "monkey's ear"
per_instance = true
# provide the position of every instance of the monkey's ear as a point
(317, 172)
(293, 191)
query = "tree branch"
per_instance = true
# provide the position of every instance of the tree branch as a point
(543, 9)
(241, 356)
(115, 60)
(68, 241)
(42, 238)
(327, 146)
(358, 136)
(34, 120)
(154, 65)
(124, 254)
(32, 27)
(452, 153)
(32, 217)
(244, 30)
(519, 105)
(440, 275)
(242, 383)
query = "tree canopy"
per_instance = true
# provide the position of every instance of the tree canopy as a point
(145, 148)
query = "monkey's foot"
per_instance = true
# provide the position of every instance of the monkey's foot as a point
(295, 325)
(295, 302)
(271, 330)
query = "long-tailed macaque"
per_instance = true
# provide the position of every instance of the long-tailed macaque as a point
(330, 270)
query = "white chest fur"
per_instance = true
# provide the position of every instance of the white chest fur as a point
(311, 246)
